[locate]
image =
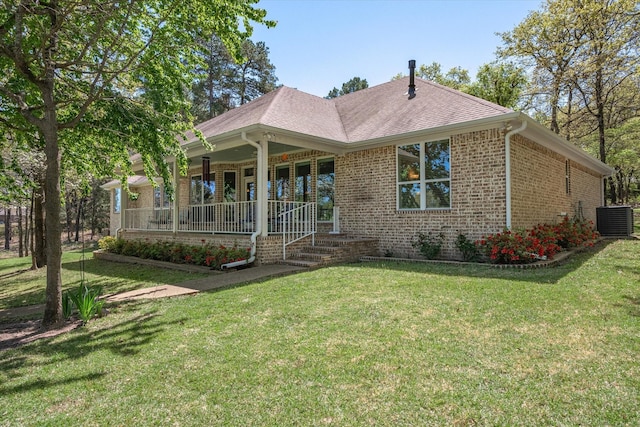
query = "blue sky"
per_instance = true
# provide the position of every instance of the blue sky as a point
(319, 44)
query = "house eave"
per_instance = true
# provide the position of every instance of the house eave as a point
(435, 133)
(548, 139)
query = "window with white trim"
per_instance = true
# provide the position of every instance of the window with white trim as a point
(161, 199)
(424, 176)
(202, 192)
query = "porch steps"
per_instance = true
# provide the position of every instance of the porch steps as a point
(331, 249)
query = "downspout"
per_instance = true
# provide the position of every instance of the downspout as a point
(507, 164)
(258, 230)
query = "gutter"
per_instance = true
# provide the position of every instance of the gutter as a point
(258, 230)
(507, 165)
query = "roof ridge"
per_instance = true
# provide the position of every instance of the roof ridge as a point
(334, 103)
(271, 103)
(475, 99)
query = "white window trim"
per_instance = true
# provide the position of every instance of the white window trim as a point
(422, 181)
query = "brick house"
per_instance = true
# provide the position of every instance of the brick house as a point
(375, 165)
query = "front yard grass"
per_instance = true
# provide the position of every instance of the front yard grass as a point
(20, 286)
(363, 344)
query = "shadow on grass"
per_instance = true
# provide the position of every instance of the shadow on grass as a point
(45, 384)
(124, 339)
(551, 274)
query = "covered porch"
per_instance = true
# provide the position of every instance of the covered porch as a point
(278, 188)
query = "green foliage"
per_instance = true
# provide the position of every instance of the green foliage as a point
(67, 305)
(180, 253)
(92, 82)
(456, 78)
(85, 300)
(541, 242)
(468, 248)
(500, 83)
(223, 83)
(107, 243)
(428, 244)
(353, 85)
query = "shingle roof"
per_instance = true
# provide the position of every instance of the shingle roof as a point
(376, 112)
(385, 110)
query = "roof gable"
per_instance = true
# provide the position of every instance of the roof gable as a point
(376, 112)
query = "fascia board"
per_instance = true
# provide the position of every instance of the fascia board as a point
(549, 139)
(436, 133)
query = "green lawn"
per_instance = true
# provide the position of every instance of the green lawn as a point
(362, 344)
(20, 286)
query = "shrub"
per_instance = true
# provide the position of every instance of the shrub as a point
(575, 232)
(107, 243)
(540, 242)
(428, 244)
(179, 253)
(468, 248)
(223, 255)
(518, 247)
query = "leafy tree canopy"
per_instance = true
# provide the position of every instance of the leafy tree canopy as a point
(99, 79)
(352, 85)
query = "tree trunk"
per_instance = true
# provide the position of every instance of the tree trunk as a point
(20, 232)
(53, 302)
(7, 228)
(27, 226)
(38, 251)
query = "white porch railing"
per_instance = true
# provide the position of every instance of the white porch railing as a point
(148, 219)
(226, 218)
(294, 220)
(298, 220)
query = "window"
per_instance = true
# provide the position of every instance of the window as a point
(229, 187)
(160, 198)
(325, 189)
(201, 192)
(117, 198)
(282, 182)
(424, 176)
(303, 182)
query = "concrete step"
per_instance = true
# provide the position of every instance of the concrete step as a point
(302, 263)
(312, 256)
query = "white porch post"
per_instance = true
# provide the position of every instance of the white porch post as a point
(263, 194)
(175, 176)
(124, 205)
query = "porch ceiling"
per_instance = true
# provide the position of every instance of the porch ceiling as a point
(243, 153)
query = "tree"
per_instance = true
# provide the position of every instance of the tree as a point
(97, 80)
(500, 83)
(223, 84)
(456, 78)
(586, 53)
(351, 86)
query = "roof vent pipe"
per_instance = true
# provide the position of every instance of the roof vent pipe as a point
(412, 84)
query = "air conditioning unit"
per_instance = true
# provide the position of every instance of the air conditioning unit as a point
(615, 220)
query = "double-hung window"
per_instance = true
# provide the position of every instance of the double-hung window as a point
(424, 176)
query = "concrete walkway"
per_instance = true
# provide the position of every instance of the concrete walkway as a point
(212, 282)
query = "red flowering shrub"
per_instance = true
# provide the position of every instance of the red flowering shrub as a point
(518, 247)
(223, 255)
(541, 242)
(576, 232)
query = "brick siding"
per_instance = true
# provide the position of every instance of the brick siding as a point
(366, 189)
(538, 185)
